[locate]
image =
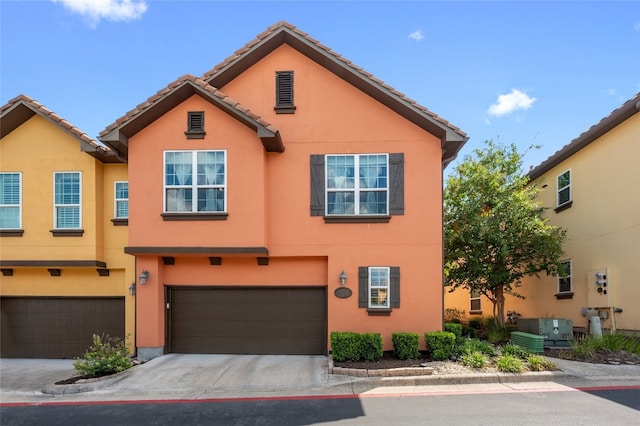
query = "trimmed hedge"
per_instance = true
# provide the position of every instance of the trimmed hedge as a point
(440, 344)
(349, 346)
(406, 345)
(454, 328)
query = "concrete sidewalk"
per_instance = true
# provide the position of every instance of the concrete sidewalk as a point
(177, 376)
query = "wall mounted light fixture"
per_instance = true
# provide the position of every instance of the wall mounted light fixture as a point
(343, 278)
(144, 275)
(132, 289)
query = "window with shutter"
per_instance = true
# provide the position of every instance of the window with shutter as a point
(284, 92)
(195, 125)
(362, 188)
(379, 289)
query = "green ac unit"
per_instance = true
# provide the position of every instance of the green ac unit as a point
(531, 342)
(555, 331)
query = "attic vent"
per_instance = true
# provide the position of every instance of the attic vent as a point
(195, 125)
(284, 92)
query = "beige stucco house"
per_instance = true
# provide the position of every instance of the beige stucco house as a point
(591, 188)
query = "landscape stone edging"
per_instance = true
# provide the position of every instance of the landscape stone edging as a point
(382, 372)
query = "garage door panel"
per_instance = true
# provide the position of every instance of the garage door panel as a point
(47, 327)
(279, 320)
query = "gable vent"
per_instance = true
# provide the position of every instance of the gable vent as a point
(195, 125)
(284, 92)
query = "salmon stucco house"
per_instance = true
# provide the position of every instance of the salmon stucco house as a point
(283, 195)
(63, 217)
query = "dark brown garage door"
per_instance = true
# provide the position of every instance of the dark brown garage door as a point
(51, 327)
(278, 320)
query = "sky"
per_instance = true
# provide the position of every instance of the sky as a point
(527, 73)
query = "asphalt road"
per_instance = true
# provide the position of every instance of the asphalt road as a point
(595, 406)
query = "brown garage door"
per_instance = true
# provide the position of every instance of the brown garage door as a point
(247, 320)
(52, 327)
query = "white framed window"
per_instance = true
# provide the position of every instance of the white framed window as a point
(564, 188)
(357, 184)
(195, 181)
(67, 200)
(564, 278)
(475, 301)
(121, 200)
(10, 200)
(379, 287)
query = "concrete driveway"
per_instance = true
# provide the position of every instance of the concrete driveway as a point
(176, 376)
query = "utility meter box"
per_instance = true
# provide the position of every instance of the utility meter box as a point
(554, 331)
(600, 288)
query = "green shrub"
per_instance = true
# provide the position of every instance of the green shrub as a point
(349, 346)
(406, 345)
(587, 345)
(454, 315)
(475, 323)
(345, 346)
(477, 345)
(474, 359)
(453, 328)
(515, 350)
(497, 333)
(509, 364)
(107, 355)
(371, 346)
(540, 363)
(440, 344)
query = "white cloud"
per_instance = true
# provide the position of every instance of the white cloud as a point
(416, 35)
(516, 100)
(111, 10)
(636, 26)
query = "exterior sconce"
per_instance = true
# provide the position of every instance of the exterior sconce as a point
(343, 278)
(132, 289)
(144, 275)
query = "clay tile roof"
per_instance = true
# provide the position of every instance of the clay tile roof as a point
(127, 123)
(284, 32)
(21, 108)
(615, 118)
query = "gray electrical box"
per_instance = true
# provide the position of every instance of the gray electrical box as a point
(555, 331)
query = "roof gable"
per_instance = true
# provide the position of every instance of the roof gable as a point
(614, 119)
(452, 138)
(21, 108)
(117, 134)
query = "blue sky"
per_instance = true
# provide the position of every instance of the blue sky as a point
(519, 72)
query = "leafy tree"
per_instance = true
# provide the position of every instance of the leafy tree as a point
(495, 232)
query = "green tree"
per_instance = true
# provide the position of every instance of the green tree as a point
(495, 232)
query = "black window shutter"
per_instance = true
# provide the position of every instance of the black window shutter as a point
(396, 184)
(317, 185)
(284, 88)
(395, 287)
(363, 287)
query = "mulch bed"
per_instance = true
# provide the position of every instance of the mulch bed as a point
(599, 357)
(603, 356)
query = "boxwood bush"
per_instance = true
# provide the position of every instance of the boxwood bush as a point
(406, 345)
(349, 346)
(440, 344)
(453, 328)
